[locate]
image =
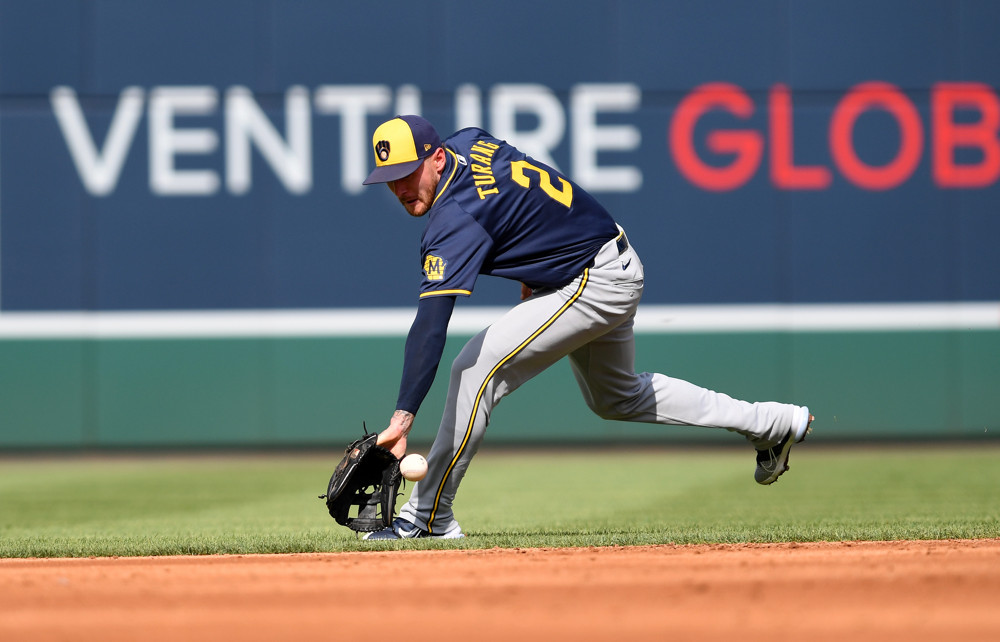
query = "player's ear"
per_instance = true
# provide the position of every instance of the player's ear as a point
(439, 157)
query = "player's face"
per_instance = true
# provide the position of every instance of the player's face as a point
(416, 192)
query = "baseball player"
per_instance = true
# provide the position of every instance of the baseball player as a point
(493, 210)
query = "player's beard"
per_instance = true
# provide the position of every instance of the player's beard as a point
(421, 202)
(416, 192)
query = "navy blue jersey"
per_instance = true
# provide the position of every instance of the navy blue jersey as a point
(502, 213)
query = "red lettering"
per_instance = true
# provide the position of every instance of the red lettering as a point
(949, 135)
(859, 99)
(784, 173)
(747, 146)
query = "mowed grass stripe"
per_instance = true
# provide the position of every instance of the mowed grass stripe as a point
(258, 504)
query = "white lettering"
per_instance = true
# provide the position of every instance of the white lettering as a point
(166, 141)
(175, 150)
(99, 170)
(247, 123)
(507, 101)
(468, 107)
(353, 103)
(589, 138)
(408, 100)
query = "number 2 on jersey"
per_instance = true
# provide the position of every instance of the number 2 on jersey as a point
(564, 195)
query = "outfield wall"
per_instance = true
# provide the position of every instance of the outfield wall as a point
(187, 256)
(302, 390)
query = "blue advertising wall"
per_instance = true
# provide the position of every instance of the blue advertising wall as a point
(159, 158)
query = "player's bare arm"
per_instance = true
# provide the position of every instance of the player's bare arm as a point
(394, 437)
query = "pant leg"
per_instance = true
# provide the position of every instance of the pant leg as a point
(591, 319)
(524, 342)
(605, 372)
(604, 368)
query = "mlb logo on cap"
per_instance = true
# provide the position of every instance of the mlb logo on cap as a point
(400, 145)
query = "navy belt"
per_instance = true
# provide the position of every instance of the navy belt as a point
(622, 243)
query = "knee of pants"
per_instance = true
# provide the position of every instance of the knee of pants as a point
(469, 356)
(469, 372)
(609, 410)
(623, 404)
(605, 407)
(466, 360)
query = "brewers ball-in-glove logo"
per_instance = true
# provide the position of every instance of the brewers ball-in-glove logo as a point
(382, 150)
(434, 267)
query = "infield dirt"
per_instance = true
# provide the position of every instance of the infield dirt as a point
(858, 591)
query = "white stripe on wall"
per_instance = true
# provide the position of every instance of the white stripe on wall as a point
(374, 322)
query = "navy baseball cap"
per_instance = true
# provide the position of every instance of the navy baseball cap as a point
(400, 145)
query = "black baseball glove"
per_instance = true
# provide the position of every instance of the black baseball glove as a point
(367, 478)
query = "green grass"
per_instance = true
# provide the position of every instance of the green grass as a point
(254, 504)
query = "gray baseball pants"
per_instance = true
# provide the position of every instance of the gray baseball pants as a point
(589, 320)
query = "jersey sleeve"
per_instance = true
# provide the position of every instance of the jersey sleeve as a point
(452, 257)
(424, 346)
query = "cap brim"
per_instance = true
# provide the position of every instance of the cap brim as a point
(395, 172)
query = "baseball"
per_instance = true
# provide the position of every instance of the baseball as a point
(413, 467)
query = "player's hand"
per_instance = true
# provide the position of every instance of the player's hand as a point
(394, 437)
(525, 292)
